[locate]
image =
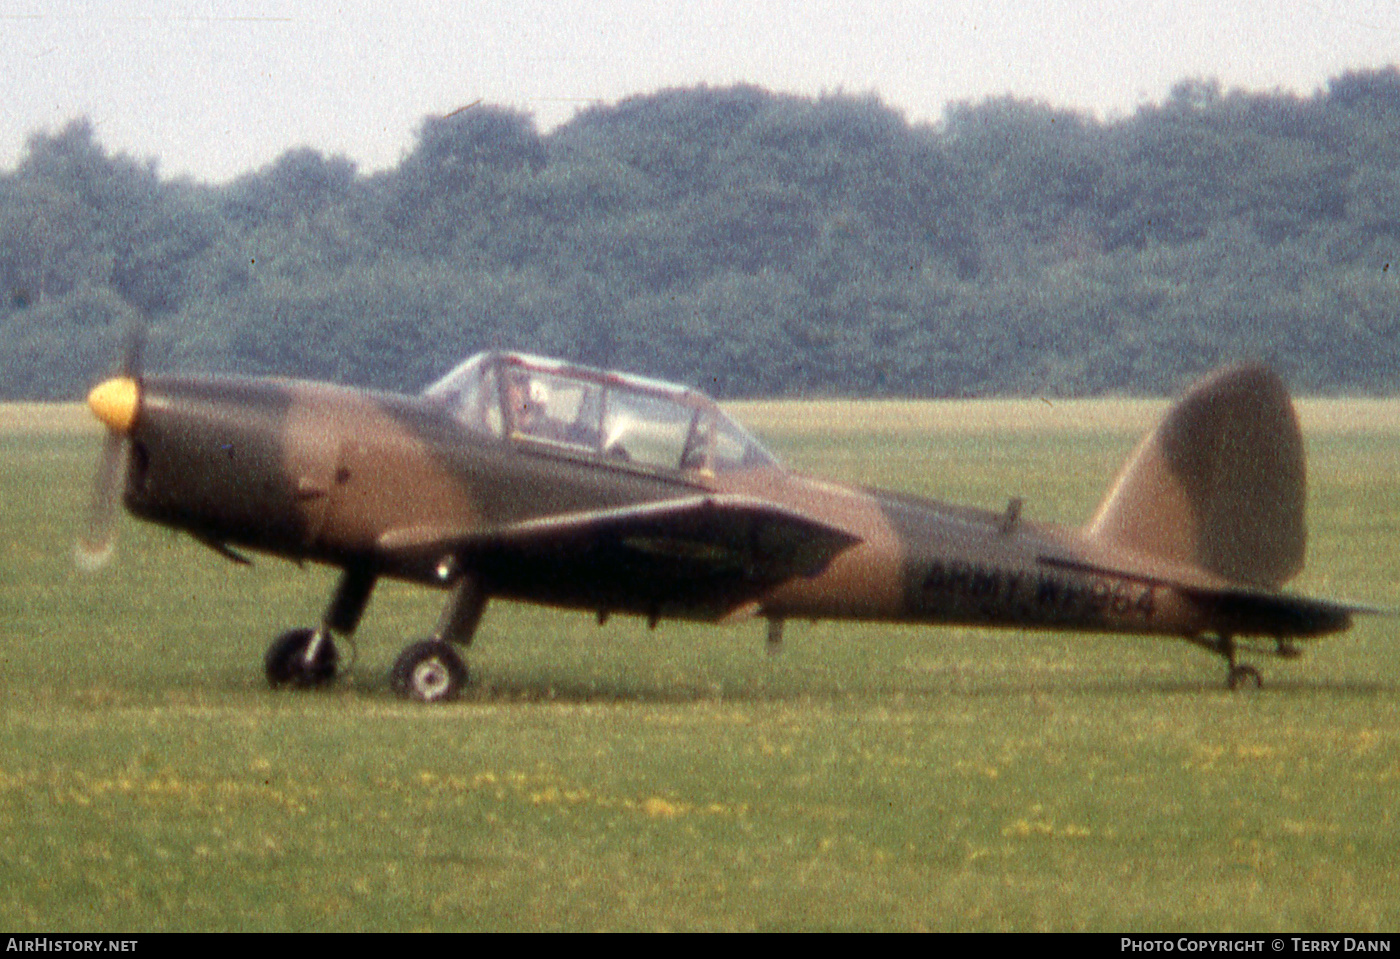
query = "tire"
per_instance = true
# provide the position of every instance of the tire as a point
(286, 665)
(1242, 675)
(429, 672)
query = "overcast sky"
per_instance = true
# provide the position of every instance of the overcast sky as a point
(218, 88)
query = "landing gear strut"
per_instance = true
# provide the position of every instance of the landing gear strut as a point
(429, 671)
(774, 642)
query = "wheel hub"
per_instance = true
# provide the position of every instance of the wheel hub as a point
(430, 672)
(431, 678)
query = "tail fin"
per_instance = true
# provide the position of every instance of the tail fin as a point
(1219, 484)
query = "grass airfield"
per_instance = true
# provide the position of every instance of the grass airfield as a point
(870, 777)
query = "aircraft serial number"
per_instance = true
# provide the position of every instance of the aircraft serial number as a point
(1048, 594)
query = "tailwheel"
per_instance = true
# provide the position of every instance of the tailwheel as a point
(301, 658)
(430, 672)
(1240, 675)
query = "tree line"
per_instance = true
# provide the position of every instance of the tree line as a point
(748, 243)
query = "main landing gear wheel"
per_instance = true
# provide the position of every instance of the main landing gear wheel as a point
(287, 664)
(1240, 675)
(430, 672)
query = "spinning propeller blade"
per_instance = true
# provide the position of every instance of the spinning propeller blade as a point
(116, 402)
(98, 538)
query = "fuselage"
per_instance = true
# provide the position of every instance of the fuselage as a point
(330, 474)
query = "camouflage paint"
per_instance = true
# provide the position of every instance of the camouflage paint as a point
(384, 484)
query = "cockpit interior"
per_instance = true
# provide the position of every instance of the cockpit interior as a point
(581, 411)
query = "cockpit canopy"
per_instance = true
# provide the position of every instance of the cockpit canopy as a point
(582, 411)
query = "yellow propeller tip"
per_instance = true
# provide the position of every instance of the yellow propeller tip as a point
(115, 402)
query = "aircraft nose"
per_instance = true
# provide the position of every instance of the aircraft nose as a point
(115, 402)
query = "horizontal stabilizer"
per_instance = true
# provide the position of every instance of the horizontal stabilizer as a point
(1239, 610)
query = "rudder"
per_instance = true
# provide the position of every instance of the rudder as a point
(1219, 484)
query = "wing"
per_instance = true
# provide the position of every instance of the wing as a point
(696, 556)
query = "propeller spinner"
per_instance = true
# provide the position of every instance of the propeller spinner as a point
(115, 402)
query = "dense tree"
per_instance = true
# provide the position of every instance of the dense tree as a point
(749, 243)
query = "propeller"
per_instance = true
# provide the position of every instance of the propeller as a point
(115, 401)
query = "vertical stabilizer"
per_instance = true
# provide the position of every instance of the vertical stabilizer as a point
(1219, 484)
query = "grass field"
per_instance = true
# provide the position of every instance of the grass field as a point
(870, 777)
